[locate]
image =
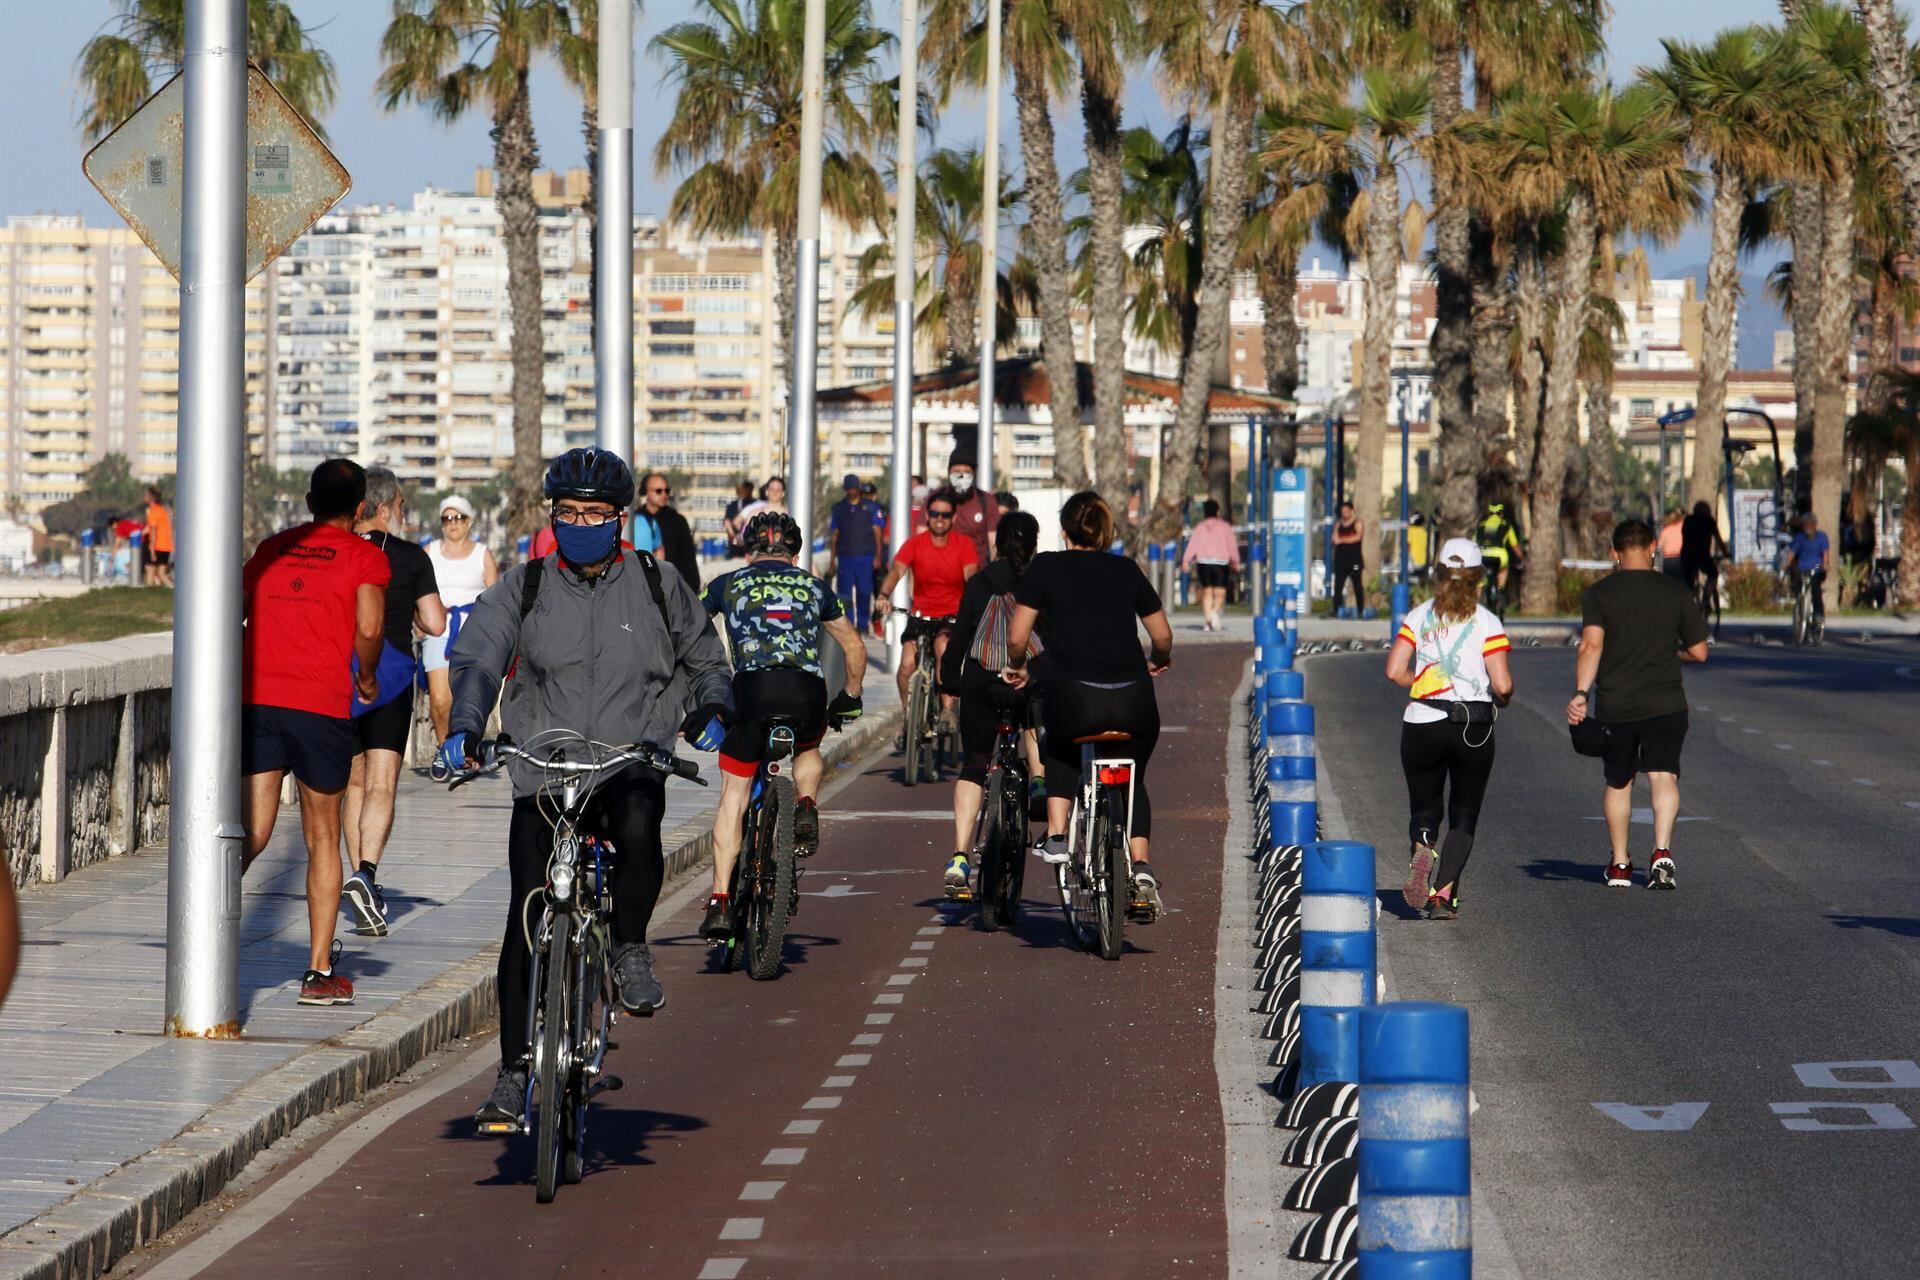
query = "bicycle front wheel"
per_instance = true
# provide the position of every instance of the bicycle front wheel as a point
(916, 726)
(1113, 886)
(552, 1046)
(773, 882)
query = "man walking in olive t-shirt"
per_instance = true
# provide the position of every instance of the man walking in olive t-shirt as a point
(1637, 626)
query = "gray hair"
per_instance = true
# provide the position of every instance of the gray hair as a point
(382, 487)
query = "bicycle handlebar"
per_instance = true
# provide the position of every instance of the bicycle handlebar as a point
(659, 759)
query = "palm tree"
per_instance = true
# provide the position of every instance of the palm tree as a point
(448, 56)
(1893, 82)
(118, 68)
(1283, 217)
(1372, 139)
(1895, 430)
(947, 221)
(1163, 195)
(1595, 159)
(736, 120)
(1742, 98)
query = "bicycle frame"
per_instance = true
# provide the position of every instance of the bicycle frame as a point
(1096, 775)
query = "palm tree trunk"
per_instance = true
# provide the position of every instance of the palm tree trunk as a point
(1893, 79)
(1808, 232)
(1226, 210)
(1106, 243)
(1493, 323)
(1837, 307)
(1880, 346)
(963, 310)
(1456, 461)
(1559, 428)
(515, 156)
(786, 260)
(1600, 447)
(1278, 275)
(590, 126)
(1376, 356)
(1716, 355)
(1529, 390)
(1907, 582)
(1046, 225)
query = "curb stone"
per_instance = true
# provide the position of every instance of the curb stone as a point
(87, 1234)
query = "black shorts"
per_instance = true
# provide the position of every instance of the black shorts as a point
(385, 728)
(799, 697)
(1644, 746)
(317, 749)
(1213, 575)
(160, 558)
(918, 626)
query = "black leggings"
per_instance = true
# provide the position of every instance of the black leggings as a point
(1348, 565)
(982, 695)
(1072, 710)
(1432, 754)
(626, 811)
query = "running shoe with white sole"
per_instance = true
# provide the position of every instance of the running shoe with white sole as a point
(1620, 875)
(1660, 875)
(959, 871)
(505, 1110)
(1419, 877)
(368, 904)
(1052, 850)
(1146, 905)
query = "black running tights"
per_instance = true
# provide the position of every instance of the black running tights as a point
(626, 811)
(1434, 755)
(1071, 709)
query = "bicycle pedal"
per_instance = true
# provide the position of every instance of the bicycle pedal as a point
(606, 1084)
(500, 1129)
(959, 895)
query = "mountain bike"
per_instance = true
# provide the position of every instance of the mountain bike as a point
(929, 744)
(1809, 627)
(570, 998)
(1707, 595)
(765, 888)
(1096, 881)
(1000, 839)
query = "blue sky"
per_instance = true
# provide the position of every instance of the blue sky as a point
(390, 156)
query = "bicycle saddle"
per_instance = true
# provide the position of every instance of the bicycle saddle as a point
(1111, 735)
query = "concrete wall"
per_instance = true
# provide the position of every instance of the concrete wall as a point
(83, 753)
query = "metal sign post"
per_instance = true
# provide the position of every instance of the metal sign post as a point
(806, 287)
(906, 264)
(205, 831)
(989, 258)
(613, 236)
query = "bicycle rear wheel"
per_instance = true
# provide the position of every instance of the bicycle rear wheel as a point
(551, 1045)
(1113, 886)
(773, 885)
(1013, 835)
(916, 727)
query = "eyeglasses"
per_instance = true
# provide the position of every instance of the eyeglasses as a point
(939, 515)
(591, 519)
(453, 517)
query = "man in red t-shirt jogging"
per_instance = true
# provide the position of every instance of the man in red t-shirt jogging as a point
(315, 604)
(941, 565)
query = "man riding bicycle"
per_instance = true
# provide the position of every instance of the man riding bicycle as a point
(1811, 556)
(941, 564)
(1499, 544)
(774, 612)
(601, 641)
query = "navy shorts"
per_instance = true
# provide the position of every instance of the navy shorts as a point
(316, 749)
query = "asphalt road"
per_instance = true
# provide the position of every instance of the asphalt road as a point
(1793, 942)
(910, 1098)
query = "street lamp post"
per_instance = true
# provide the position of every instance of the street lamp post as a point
(1402, 591)
(989, 257)
(905, 273)
(803, 376)
(204, 829)
(1256, 510)
(613, 236)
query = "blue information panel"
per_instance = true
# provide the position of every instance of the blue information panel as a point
(1292, 512)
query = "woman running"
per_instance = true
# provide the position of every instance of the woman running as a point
(1451, 657)
(976, 652)
(1087, 600)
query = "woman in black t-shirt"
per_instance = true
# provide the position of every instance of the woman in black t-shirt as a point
(1085, 601)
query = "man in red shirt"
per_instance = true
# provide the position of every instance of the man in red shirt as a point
(941, 564)
(315, 604)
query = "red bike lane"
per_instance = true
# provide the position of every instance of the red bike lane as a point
(911, 1097)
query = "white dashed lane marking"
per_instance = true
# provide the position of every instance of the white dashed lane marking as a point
(854, 1060)
(914, 962)
(899, 980)
(870, 1038)
(1752, 731)
(828, 1102)
(1783, 746)
(722, 1269)
(839, 1082)
(761, 1190)
(932, 931)
(879, 1019)
(1913, 804)
(890, 998)
(743, 1228)
(1865, 782)
(921, 946)
(800, 1129)
(1824, 764)
(785, 1155)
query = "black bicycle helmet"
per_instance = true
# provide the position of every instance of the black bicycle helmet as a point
(597, 475)
(772, 531)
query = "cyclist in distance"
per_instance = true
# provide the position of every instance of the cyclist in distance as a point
(941, 563)
(976, 654)
(1085, 601)
(1700, 543)
(774, 612)
(1811, 554)
(1499, 545)
(600, 641)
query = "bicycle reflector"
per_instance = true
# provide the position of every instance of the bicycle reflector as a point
(1115, 775)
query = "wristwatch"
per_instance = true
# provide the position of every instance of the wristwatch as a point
(1584, 693)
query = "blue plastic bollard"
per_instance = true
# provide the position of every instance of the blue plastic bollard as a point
(1291, 797)
(1337, 957)
(1270, 632)
(1415, 1174)
(1402, 605)
(1154, 554)
(1285, 683)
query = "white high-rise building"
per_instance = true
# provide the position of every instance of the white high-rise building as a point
(323, 403)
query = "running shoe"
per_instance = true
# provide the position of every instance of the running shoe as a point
(505, 1109)
(958, 872)
(1146, 905)
(806, 827)
(1052, 850)
(1620, 875)
(633, 977)
(1442, 908)
(719, 922)
(1660, 875)
(1419, 885)
(369, 905)
(318, 988)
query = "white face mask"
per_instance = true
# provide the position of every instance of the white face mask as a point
(962, 481)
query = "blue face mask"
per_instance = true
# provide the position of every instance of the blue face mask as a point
(585, 545)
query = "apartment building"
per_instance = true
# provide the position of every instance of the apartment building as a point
(90, 358)
(323, 309)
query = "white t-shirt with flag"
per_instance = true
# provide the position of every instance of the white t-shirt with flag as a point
(1450, 659)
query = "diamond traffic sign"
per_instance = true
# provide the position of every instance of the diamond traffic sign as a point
(292, 179)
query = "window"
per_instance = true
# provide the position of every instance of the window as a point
(1640, 409)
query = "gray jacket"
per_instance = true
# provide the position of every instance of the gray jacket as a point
(597, 657)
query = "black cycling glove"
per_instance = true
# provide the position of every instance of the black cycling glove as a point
(844, 709)
(705, 726)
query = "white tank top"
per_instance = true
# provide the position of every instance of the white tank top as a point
(460, 581)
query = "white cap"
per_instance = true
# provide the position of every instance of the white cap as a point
(457, 503)
(1460, 553)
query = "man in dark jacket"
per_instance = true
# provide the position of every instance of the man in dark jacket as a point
(977, 515)
(658, 528)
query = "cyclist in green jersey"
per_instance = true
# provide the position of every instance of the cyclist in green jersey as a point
(1499, 543)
